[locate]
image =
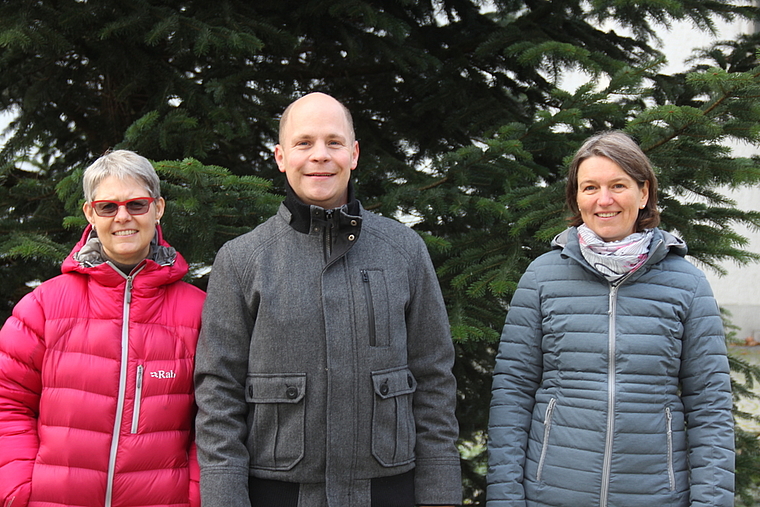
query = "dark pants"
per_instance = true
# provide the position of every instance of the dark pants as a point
(393, 491)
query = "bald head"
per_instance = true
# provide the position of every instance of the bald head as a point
(310, 99)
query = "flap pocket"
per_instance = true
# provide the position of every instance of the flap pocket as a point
(393, 382)
(275, 387)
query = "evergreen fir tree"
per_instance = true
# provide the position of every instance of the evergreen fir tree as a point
(461, 125)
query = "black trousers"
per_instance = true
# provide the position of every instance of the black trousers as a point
(393, 491)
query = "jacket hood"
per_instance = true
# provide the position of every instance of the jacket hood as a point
(87, 258)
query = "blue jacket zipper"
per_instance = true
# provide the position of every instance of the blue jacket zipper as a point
(671, 472)
(547, 430)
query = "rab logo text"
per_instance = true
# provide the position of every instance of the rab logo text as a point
(163, 374)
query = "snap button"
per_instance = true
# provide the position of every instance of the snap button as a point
(384, 389)
(351, 237)
(409, 380)
(292, 392)
(353, 222)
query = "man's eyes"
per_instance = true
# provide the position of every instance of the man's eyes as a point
(329, 143)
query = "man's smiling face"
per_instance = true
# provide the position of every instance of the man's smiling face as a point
(317, 150)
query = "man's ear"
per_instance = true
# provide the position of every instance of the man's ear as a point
(355, 155)
(279, 157)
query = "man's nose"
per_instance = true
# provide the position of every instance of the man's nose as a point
(320, 151)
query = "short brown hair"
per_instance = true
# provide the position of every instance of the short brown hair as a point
(626, 153)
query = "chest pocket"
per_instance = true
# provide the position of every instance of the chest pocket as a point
(276, 421)
(393, 430)
(375, 310)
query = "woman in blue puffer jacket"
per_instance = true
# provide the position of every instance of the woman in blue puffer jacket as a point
(611, 386)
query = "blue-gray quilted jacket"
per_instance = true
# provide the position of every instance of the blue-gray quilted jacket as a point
(611, 394)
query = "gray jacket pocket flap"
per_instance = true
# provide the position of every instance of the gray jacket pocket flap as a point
(275, 388)
(393, 382)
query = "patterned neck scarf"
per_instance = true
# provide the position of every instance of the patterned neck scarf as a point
(614, 259)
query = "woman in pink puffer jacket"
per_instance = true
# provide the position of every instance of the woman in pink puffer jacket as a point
(96, 365)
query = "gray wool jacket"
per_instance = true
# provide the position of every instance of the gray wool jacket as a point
(325, 356)
(612, 395)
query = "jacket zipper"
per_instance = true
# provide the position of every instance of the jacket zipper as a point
(611, 378)
(122, 387)
(607, 464)
(138, 397)
(671, 472)
(370, 307)
(328, 235)
(547, 430)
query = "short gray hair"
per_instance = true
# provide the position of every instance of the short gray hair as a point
(121, 164)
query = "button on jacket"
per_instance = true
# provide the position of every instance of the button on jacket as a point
(612, 395)
(325, 357)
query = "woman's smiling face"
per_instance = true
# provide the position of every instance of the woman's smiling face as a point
(608, 198)
(125, 238)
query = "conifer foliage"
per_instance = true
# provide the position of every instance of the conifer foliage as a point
(463, 131)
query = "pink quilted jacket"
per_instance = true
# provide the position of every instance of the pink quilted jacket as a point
(96, 389)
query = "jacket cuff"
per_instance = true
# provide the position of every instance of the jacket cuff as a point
(438, 482)
(224, 487)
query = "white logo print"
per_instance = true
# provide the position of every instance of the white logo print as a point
(163, 374)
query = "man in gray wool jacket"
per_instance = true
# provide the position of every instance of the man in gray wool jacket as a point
(323, 371)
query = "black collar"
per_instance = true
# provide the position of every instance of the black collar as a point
(302, 212)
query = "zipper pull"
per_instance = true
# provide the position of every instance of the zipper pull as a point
(128, 297)
(365, 276)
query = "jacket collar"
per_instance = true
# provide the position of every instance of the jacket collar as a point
(339, 227)
(303, 214)
(164, 264)
(663, 243)
(91, 252)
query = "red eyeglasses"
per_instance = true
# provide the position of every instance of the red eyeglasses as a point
(136, 206)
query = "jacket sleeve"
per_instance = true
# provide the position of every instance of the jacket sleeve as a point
(431, 358)
(220, 374)
(21, 353)
(517, 374)
(706, 395)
